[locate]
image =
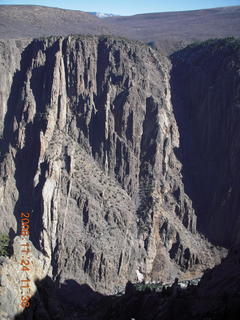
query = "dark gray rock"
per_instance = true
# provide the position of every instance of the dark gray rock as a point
(206, 86)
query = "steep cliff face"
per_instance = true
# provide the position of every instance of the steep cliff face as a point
(206, 100)
(89, 147)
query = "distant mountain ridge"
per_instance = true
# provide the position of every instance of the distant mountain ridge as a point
(103, 14)
(167, 31)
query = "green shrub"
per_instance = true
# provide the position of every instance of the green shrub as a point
(148, 286)
(4, 245)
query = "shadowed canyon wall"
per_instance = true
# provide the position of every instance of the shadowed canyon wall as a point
(206, 87)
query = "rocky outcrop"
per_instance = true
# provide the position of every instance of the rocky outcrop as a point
(90, 147)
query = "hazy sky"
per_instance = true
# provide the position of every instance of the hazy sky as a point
(128, 7)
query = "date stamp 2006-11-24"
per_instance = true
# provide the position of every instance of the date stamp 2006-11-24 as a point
(25, 259)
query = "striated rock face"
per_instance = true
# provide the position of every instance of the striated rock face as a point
(206, 86)
(90, 147)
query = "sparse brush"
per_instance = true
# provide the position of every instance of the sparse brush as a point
(4, 245)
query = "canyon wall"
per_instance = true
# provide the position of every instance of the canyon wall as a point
(90, 146)
(206, 102)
